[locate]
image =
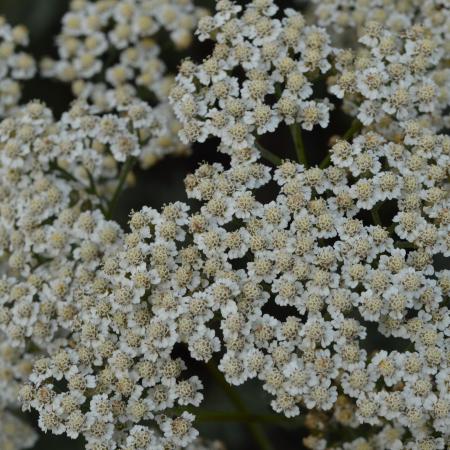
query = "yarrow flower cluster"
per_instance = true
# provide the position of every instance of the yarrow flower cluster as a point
(287, 317)
(50, 218)
(324, 284)
(110, 52)
(395, 77)
(126, 32)
(48, 168)
(15, 64)
(351, 15)
(279, 59)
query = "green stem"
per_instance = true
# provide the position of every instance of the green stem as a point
(126, 168)
(92, 185)
(41, 260)
(255, 428)
(355, 127)
(325, 161)
(391, 228)
(405, 245)
(94, 191)
(296, 133)
(68, 176)
(63, 172)
(376, 215)
(231, 416)
(268, 155)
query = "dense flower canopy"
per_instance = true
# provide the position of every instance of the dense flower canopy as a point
(273, 269)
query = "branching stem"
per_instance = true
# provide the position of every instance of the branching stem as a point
(376, 215)
(203, 415)
(296, 133)
(126, 168)
(268, 155)
(255, 428)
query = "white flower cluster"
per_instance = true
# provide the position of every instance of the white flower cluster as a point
(345, 15)
(126, 32)
(395, 77)
(15, 64)
(321, 283)
(259, 75)
(274, 286)
(54, 239)
(48, 192)
(110, 51)
(50, 239)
